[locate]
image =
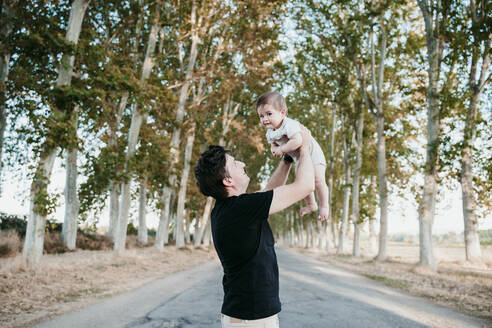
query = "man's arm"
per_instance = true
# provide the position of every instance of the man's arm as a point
(284, 196)
(279, 177)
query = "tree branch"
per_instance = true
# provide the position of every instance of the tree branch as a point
(373, 68)
(485, 65)
(382, 56)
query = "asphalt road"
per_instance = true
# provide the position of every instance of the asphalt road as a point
(313, 294)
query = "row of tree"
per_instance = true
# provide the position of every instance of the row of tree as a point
(393, 61)
(123, 91)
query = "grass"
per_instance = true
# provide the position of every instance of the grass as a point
(10, 243)
(401, 284)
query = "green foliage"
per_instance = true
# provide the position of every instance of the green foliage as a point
(13, 222)
(485, 237)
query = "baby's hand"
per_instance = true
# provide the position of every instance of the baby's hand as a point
(276, 151)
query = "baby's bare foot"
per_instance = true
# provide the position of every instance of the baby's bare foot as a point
(308, 209)
(323, 213)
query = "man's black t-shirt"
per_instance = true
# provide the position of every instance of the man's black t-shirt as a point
(245, 245)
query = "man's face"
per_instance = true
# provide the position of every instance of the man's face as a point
(270, 117)
(238, 178)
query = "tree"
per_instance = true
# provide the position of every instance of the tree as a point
(33, 244)
(434, 14)
(479, 45)
(138, 117)
(6, 28)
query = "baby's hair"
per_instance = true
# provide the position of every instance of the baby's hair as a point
(273, 98)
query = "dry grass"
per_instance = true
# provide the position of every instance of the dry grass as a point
(67, 281)
(10, 243)
(464, 286)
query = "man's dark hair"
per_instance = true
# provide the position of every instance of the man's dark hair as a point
(211, 170)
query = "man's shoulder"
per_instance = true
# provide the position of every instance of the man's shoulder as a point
(247, 199)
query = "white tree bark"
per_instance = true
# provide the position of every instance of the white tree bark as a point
(472, 241)
(115, 187)
(176, 136)
(342, 239)
(208, 235)
(5, 32)
(373, 244)
(187, 233)
(331, 242)
(138, 118)
(428, 202)
(356, 185)
(182, 189)
(378, 113)
(69, 228)
(34, 241)
(206, 215)
(142, 222)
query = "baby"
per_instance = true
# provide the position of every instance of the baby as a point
(283, 134)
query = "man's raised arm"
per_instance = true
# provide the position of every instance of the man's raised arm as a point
(284, 196)
(279, 176)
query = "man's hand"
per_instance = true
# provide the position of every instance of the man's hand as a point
(276, 151)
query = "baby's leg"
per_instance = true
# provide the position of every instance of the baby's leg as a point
(321, 190)
(311, 205)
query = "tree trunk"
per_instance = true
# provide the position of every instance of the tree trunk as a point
(331, 242)
(34, 241)
(383, 189)
(187, 229)
(472, 241)
(378, 113)
(142, 223)
(356, 184)
(208, 235)
(137, 119)
(205, 218)
(346, 199)
(373, 246)
(69, 228)
(182, 190)
(428, 201)
(114, 203)
(5, 32)
(115, 187)
(183, 95)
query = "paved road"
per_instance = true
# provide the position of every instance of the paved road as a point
(313, 294)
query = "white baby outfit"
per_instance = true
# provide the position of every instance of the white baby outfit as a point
(282, 135)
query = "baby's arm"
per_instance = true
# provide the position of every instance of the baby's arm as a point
(294, 142)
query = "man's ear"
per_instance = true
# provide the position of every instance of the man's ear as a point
(227, 181)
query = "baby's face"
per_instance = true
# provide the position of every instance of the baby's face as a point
(270, 117)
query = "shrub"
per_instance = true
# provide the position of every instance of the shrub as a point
(10, 243)
(53, 243)
(13, 222)
(93, 241)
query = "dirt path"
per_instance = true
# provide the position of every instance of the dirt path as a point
(313, 294)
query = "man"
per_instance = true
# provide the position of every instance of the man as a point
(242, 236)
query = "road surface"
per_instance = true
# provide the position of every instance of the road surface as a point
(313, 294)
